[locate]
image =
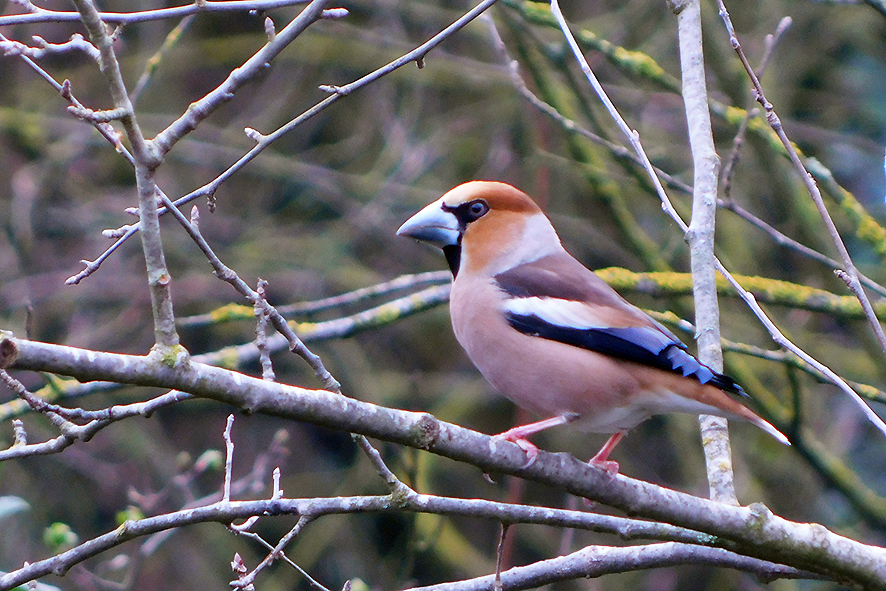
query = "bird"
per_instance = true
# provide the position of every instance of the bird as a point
(552, 336)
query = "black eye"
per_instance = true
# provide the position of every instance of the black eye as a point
(476, 209)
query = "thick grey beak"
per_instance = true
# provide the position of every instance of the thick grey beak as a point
(434, 225)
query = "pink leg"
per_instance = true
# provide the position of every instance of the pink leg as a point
(601, 460)
(519, 434)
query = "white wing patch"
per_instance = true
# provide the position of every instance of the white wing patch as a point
(556, 311)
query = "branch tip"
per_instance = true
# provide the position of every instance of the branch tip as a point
(19, 433)
(334, 13)
(332, 89)
(8, 353)
(253, 134)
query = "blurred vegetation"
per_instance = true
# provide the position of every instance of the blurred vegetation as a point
(315, 216)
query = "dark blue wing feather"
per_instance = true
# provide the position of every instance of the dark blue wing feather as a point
(644, 345)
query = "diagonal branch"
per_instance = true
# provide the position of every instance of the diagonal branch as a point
(754, 530)
(851, 274)
(634, 139)
(201, 109)
(597, 561)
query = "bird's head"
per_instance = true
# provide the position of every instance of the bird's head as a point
(484, 226)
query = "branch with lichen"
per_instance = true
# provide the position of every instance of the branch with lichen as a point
(639, 64)
(604, 189)
(827, 464)
(59, 389)
(636, 63)
(765, 289)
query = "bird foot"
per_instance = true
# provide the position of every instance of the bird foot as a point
(529, 448)
(602, 461)
(610, 466)
(518, 435)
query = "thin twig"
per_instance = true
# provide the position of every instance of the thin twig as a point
(311, 580)
(64, 89)
(229, 458)
(668, 207)
(275, 553)
(732, 159)
(209, 189)
(783, 341)
(227, 274)
(499, 555)
(73, 433)
(41, 15)
(788, 242)
(396, 486)
(619, 152)
(848, 266)
(224, 92)
(632, 135)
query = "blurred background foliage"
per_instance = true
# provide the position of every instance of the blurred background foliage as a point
(315, 215)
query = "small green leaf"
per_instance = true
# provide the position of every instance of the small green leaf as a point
(59, 537)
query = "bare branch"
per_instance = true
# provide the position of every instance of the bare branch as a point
(146, 160)
(40, 15)
(596, 561)
(318, 507)
(76, 43)
(227, 274)
(73, 433)
(276, 552)
(756, 531)
(738, 140)
(811, 186)
(311, 580)
(209, 189)
(700, 237)
(201, 109)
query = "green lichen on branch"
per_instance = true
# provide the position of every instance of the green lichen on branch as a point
(765, 290)
(172, 357)
(642, 65)
(233, 312)
(634, 62)
(866, 227)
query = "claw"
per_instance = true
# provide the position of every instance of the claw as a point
(518, 435)
(609, 465)
(529, 448)
(601, 460)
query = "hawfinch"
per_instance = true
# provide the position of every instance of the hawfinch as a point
(551, 335)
